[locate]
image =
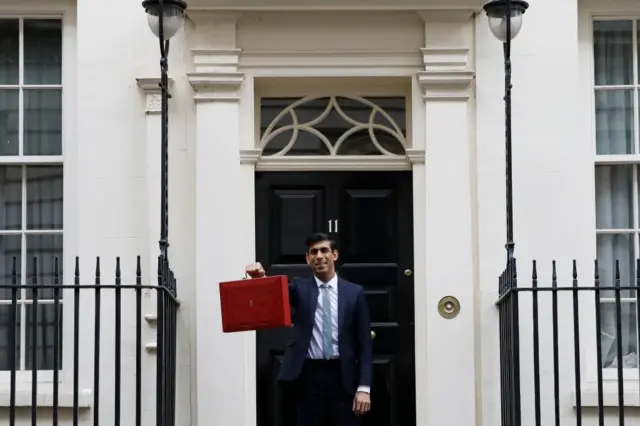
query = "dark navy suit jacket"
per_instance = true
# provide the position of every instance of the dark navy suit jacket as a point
(354, 332)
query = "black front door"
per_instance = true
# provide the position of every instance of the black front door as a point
(370, 214)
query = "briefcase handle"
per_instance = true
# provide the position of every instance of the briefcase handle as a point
(247, 276)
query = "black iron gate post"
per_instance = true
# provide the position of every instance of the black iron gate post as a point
(505, 21)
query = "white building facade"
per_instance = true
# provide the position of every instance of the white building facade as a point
(80, 173)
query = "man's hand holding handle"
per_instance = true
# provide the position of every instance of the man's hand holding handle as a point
(255, 270)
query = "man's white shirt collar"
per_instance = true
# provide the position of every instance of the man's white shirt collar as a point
(333, 282)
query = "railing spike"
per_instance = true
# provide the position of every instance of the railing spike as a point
(138, 267)
(76, 272)
(534, 273)
(97, 267)
(617, 269)
(118, 272)
(575, 270)
(554, 272)
(596, 270)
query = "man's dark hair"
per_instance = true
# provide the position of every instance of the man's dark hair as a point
(320, 237)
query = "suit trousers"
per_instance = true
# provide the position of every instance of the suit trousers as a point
(321, 398)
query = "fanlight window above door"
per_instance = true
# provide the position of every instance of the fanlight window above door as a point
(333, 126)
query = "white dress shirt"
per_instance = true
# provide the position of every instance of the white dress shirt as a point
(316, 345)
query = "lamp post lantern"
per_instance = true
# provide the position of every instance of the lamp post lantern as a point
(505, 22)
(165, 20)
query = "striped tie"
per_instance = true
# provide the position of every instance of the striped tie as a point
(327, 347)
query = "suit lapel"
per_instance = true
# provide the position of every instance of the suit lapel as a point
(342, 302)
(313, 298)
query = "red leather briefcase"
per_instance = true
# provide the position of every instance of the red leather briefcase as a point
(255, 304)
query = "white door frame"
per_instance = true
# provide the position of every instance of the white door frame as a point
(439, 82)
(408, 87)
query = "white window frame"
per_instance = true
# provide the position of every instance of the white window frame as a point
(589, 12)
(31, 9)
(611, 374)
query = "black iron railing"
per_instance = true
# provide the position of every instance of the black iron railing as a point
(106, 329)
(547, 327)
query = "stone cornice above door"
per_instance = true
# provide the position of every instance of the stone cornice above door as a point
(475, 5)
(332, 163)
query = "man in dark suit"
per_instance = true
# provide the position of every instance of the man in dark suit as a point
(330, 356)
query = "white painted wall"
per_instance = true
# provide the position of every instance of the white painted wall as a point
(111, 209)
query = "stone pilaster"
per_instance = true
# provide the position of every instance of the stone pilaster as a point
(449, 176)
(224, 218)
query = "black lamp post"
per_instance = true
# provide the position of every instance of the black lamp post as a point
(505, 22)
(165, 20)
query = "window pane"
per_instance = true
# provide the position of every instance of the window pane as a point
(320, 123)
(45, 336)
(614, 122)
(608, 335)
(10, 197)
(306, 142)
(44, 249)
(44, 197)
(42, 122)
(614, 197)
(613, 52)
(6, 322)
(9, 122)
(10, 247)
(360, 143)
(9, 51)
(42, 51)
(612, 248)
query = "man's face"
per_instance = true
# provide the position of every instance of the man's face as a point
(322, 258)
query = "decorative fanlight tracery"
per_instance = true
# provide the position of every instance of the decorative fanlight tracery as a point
(333, 126)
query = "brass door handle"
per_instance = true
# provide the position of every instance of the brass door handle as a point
(373, 335)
